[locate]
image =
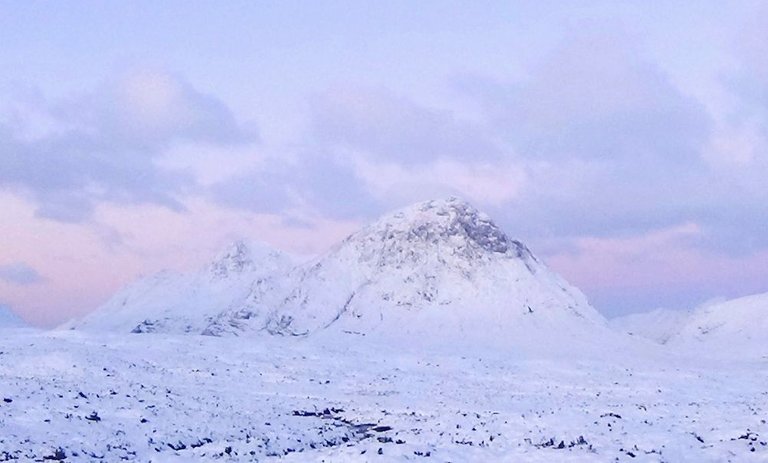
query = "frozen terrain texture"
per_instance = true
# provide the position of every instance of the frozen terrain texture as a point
(169, 398)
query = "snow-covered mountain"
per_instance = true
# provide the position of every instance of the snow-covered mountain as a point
(8, 319)
(735, 327)
(658, 325)
(186, 303)
(731, 328)
(434, 269)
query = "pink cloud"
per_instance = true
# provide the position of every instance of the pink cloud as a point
(86, 263)
(658, 259)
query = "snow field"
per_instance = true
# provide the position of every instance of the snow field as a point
(182, 398)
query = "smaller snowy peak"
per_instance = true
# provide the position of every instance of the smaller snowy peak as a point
(170, 302)
(9, 319)
(243, 257)
(235, 259)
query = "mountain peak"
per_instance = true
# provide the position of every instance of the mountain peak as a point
(451, 221)
(243, 257)
(236, 258)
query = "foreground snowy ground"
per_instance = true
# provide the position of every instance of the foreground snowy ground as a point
(77, 397)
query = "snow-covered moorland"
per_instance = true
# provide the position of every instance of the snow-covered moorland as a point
(86, 397)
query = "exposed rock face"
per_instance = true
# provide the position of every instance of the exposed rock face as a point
(443, 220)
(436, 226)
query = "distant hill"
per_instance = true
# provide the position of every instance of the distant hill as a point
(737, 327)
(733, 328)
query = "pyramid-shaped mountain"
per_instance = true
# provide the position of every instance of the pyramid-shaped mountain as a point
(438, 268)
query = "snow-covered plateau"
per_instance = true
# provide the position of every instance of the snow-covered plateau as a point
(429, 335)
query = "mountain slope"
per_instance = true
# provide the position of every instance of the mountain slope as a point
(733, 328)
(185, 303)
(438, 269)
(736, 327)
(659, 325)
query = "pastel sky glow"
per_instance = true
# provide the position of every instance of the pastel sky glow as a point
(625, 142)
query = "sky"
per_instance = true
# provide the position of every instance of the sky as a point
(626, 143)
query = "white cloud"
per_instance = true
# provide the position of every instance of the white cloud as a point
(105, 145)
(483, 183)
(378, 123)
